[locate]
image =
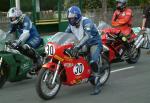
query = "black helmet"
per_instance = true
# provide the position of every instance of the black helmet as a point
(121, 4)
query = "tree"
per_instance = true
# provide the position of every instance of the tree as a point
(93, 4)
(4, 5)
(104, 8)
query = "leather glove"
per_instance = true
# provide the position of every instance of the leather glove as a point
(14, 44)
(75, 51)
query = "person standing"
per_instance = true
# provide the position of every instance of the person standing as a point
(146, 24)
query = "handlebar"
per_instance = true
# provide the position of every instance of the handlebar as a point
(69, 52)
(8, 43)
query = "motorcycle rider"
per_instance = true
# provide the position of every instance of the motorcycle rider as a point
(28, 36)
(88, 36)
(122, 20)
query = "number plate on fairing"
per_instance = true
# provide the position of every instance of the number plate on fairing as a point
(78, 69)
(50, 49)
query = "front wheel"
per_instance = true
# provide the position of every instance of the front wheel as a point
(3, 74)
(44, 87)
(104, 71)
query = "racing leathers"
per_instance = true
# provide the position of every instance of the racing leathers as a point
(123, 20)
(28, 39)
(88, 37)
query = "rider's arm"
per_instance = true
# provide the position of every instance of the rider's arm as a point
(12, 29)
(24, 36)
(115, 17)
(124, 20)
(143, 23)
(87, 26)
(68, 30)
(27, 25)
(145, 15)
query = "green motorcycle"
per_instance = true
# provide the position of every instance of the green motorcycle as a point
(13, 65)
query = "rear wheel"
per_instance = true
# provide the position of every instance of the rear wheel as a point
(44, 87)
(104, 71)
(134, 56)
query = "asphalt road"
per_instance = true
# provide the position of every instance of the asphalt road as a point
(129, 84)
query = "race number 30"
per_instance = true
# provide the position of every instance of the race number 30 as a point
(78, 69)
(50, 49)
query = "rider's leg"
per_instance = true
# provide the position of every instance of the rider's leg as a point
(31, 53)
(148, 39)
(95, 54)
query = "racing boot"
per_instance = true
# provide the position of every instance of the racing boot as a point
(37, 62)
(96, 75)
(98, 86)
(31, 53)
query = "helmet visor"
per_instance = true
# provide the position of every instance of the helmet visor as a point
(72, 18)
(72, 21)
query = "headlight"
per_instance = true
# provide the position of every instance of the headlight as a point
(124, 39)
(1, 60)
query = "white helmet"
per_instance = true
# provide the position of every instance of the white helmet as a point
(14, 15)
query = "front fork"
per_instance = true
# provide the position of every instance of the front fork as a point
(56, 73)
(101, 64)
(1, 60)
(1, 71)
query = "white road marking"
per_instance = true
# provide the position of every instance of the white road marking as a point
(126, 68)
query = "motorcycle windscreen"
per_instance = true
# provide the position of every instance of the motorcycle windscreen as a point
(63, 38)
(103, 25)
(4, 38)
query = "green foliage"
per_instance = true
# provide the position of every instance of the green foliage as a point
(4, 5)
(48, 4)
(26, 5)
(134, 2)
(68, 3)
(87, 4)
(92, 4)
(111, 3)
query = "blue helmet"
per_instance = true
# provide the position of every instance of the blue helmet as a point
(74, 15)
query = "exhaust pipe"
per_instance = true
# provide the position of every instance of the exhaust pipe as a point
(139, 41)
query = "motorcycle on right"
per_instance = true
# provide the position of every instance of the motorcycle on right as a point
(120, 48)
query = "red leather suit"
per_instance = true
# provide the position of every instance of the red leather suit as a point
(122, 21)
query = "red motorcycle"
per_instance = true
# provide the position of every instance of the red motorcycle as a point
(62, 68)
(119, 47)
